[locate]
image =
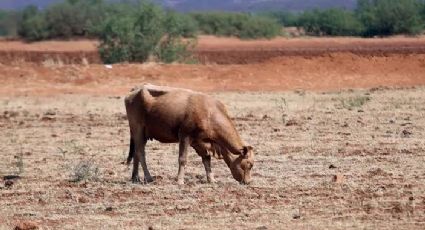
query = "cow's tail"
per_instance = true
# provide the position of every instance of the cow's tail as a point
(131, 152)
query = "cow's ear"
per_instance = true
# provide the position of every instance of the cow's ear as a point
(246, 150)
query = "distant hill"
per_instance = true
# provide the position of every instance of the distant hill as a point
(211, 5)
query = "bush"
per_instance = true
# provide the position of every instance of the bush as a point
(284, 18)
(8, 23)
(117, 37)
(74, 18)
(388, 17)
(237, 24)
(333, 22)
(149, 32)
(180, 25)
(32, 25)
(63, 20)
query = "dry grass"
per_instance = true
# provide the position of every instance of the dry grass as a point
(376, 149)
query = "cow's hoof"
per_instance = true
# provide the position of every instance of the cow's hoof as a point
(135, 180)
(148, 180)
(212, 180)
(180, 182)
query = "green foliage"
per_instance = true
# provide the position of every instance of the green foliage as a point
(149, 32)
(333, 22)
(180, 25)
(117, 38)
(63, 20)
(284, 18)
(74, 18)
(32, 25)
(387, 17)
(237, 24)
(173, 49)
(8, 23)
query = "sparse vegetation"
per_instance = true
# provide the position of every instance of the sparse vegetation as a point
(20, 163)
(354, 102)
(85, 170)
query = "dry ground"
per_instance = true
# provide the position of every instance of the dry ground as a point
(371, 140)
(340, 159)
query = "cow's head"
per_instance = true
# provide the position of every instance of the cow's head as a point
(242, 165)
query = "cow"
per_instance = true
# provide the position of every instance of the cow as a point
(189, 118)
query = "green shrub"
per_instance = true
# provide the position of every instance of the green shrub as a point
(183, 25)
(117, 37)
(333, 22)
(8, 23)
(63, 20)
(388, 17)
(237, 24)
(150, 32)
(32, 25)
(284, 18)
(75, 18)
(173, 49)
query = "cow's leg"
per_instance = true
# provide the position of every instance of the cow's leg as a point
(148, 177)
(140, 157)
(184, 142)
(135, 178)
(206, 160)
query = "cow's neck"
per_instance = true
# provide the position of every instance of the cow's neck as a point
(229, 158)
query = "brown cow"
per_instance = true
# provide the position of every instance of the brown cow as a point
(174, 115)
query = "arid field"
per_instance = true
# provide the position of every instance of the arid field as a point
(339, 137)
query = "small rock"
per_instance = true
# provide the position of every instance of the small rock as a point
(291, 122)
(82, 200)
(406, 133)
(109, 209)
(296, 216)
(339, 178)
(411, 198)
(236, 209)
(8, 183)
(48, 118)
(50, 113)
(26, 225)
(332, 166)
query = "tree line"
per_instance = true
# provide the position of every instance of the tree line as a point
(370, 18)
(140, 30)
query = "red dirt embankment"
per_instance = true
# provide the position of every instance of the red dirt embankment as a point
(399, 62)
(326, 72)
(213, 50)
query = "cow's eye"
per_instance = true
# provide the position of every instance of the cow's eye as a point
(249, 165)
